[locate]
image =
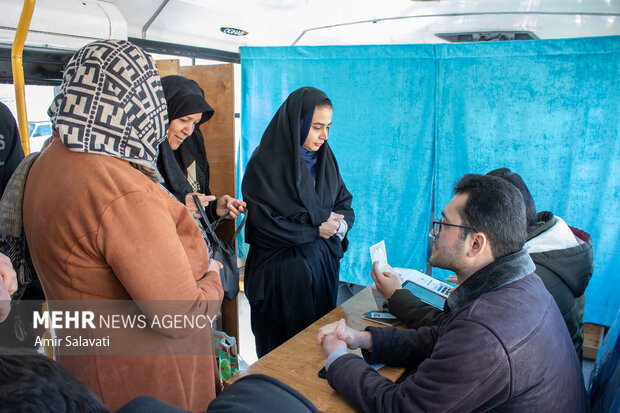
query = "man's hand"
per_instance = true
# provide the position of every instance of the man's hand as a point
(191, 205)
(386, 282)
(331, 342)
(330, 227)
(229, 206)
(339, 330)
(453, 279)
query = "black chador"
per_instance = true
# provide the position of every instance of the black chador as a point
(11, 152)
(184, 97)
(291, 273)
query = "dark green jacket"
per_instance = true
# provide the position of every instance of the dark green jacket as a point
(565, 272)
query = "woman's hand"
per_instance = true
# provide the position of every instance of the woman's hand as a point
(191, 205)
(7, 286)
(330, 227)
(8, 274)
(229, 206)
(215, 266)
(5, 303)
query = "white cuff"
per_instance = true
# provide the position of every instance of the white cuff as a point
(342, 229)
(334, 355)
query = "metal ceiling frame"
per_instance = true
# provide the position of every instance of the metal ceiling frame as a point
(497, 13)
(153, 17)
(195, 52)
(44, 66)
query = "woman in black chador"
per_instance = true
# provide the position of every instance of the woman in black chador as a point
(182, 160)
(300, 213)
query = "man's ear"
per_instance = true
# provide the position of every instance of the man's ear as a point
(478, 243)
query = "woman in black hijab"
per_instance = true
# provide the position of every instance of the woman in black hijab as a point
(182, 160)
(300, 215)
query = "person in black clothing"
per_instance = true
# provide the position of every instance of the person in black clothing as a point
(182, 159)
(13, 332)
(11, 152)
(300, 214)
(563, 256)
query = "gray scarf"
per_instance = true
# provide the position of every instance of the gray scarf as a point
(12, 239)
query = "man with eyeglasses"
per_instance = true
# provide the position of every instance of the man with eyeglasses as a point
(563, 257)
(502, 343)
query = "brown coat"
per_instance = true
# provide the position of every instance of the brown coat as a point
(99, 229)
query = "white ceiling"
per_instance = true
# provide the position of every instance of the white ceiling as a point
(71, 23)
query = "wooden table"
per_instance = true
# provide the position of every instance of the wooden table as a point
(298, 361)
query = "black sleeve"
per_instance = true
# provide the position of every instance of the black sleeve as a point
(11, 152)
(211, 209)
(413, 311)
(465, 370)
(268, 229)
(343, 206)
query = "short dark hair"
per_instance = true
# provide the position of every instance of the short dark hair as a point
(494, 207)
(516, 180)
(30, 382)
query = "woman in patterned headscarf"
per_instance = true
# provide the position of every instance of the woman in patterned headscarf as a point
(101, 228)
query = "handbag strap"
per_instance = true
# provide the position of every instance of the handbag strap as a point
(203, 214)
(239, 228)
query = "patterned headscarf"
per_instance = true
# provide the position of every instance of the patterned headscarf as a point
(111, 102)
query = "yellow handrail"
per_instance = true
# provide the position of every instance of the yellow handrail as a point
(18, 72)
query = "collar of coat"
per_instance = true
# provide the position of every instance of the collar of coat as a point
(500, 272)
(545, 220)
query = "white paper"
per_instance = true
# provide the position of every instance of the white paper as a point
(377, 253)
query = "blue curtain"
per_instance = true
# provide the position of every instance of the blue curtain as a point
(412, 118)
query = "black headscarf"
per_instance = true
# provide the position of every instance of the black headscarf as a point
(184, 97)
(278, 187)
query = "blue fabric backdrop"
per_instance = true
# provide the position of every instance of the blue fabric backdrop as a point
(409, 118)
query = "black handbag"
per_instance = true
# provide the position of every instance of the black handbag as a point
(224, 252)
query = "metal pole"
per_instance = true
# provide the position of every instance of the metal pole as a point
(18, 72)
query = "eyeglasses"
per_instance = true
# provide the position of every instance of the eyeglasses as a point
(437, 227)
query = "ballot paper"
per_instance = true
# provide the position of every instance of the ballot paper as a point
(377, 253)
